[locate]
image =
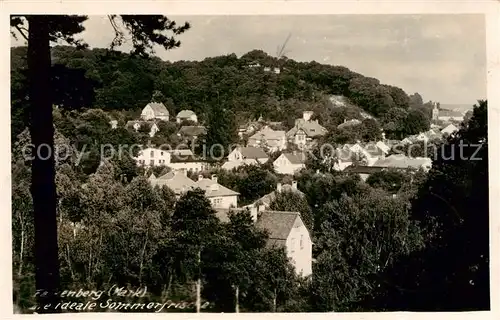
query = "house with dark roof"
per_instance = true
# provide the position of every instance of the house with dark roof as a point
(305, 131)
(186, 115)
(285, 229)
(290, 162)
(191, 132)
(155, 110)
(219, 196)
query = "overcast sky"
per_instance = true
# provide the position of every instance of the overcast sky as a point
(443, 57)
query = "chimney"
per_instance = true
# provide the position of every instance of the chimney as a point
(214, 178)
(294, 185)
(306, 115)
(278, 187)
(200, 177)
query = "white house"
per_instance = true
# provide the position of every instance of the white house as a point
(155, 110)
(403, 162)
(186, 115)
(449, 129)
(153, 157)
(137, 124)
(289, 163)
(187, 162)
(245, 155)
(113, 124)
(286, 229)
(219, 196)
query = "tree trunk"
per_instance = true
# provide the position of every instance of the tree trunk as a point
(142, 258)
(237, 298)
(21, 252)
(275, 299)
(198, 285)
(43, 187)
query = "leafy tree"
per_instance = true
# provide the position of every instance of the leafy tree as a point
(416, 121)
(452, 271)
(42, 31)
(293, 201)
(390, 180)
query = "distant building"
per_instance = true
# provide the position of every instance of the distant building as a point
(219, 196)
(404, 162)
(286, 230)
(350, 123)
(264, 203)
(177, 181)
(186, 115)
(267, 138)
(191, 132)
(245, 155)
(446, 115)
(113, 124)
(449, 129)
(155, 110)
(137, 124)
(305, 131)
(175, 159)
(289, 163)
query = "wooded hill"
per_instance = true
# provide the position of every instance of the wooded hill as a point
(115, 81)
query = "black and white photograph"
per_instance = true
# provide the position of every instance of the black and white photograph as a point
(257, 163)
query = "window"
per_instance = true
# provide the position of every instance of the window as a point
(292, 245)
(217, 201)
(152, 154)
(301, 241)
(151, 162)
(162, 153)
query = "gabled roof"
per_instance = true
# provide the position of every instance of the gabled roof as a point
(296, 158)
(192, 130)
(177, 181)
(158, 108)
(268, 198)
(181, 158)
(279, 224)
(364, 169)
(311, 128)
(218, 191)
(267, 133)
(401, 161)
(449, 129)
(253, 153)
(185, 114)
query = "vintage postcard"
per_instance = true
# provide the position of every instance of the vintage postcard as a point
(306, 161)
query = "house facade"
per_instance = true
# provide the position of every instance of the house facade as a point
(305, 131)
(289, 163)
(220, 197)
(137, 124)
(150, 157)
(286, 229)
(177, 181)
(186, 115)
(155, 110)
(245, 155)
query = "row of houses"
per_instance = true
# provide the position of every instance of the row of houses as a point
(286, 228)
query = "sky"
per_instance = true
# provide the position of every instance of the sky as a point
(442, 57)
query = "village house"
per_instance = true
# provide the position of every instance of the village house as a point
(174, 159)
(177, 181)
(287, 230)
(137, 124)
(289, 163)
(264, 203)
(269, 139)
(245, 155)
(191, 132)
(219, 196)
(305, 131)
(187, 162)
(343, 159)
(186, 115)
(155, 110)
(404, 162)
(150, 157)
